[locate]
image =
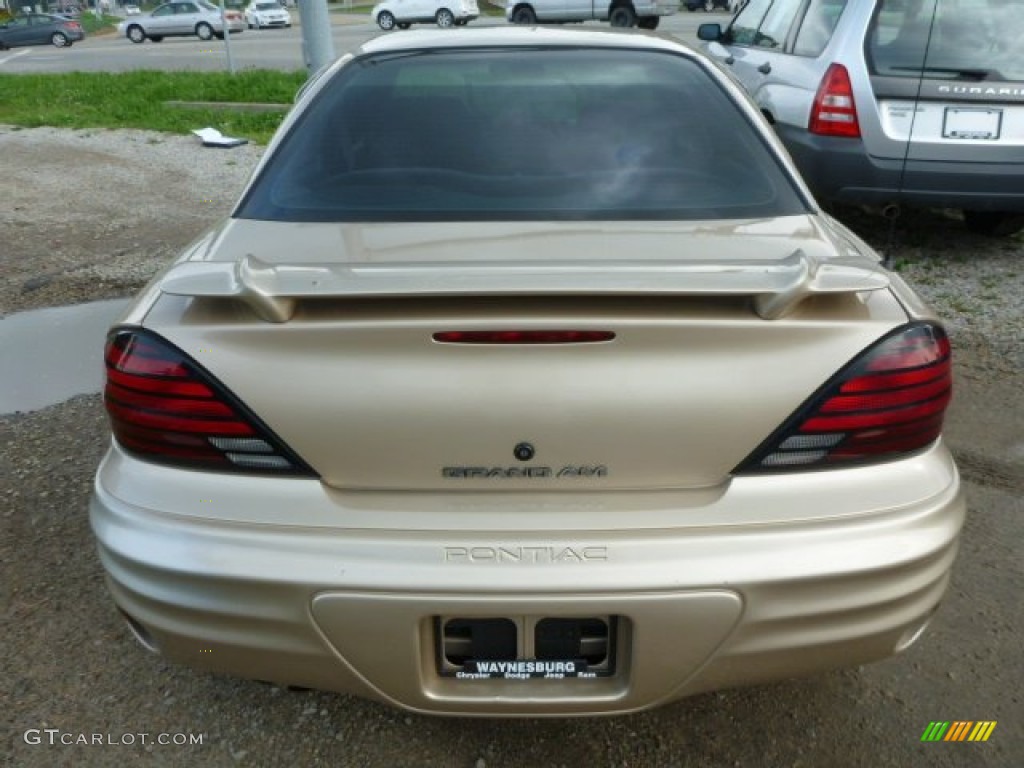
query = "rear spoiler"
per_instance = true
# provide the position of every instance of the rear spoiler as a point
(272, 290)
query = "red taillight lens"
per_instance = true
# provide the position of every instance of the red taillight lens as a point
(165, 408)
(889, 402)
(834, 112)
(523, 337)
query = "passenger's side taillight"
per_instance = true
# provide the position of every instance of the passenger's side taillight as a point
(834, 112)
(164, 407)
(887, 403)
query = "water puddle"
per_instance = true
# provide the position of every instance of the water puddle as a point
(50, 355)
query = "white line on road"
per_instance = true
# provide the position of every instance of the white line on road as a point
(5, 59)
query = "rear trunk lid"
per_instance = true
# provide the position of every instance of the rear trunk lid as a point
(355, 381)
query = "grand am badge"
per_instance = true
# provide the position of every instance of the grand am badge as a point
(509, 473)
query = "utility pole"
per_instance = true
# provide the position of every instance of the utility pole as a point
(227, 38)
(317, 45)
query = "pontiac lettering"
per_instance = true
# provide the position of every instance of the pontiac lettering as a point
(515, 554)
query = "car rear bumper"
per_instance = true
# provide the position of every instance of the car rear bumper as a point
(351, 608)
(842, 170)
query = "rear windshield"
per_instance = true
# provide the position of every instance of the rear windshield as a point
(552, 134)
(977, 40)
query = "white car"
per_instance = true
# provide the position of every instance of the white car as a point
(444, 13)
(181, 19)
(645, 14)
(266, 13)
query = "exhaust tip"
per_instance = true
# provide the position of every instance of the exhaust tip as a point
(914, 632)
(140, 633)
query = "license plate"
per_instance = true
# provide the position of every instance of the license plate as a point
(524, 669)
(972, 123)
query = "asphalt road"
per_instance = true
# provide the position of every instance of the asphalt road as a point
(264, 49)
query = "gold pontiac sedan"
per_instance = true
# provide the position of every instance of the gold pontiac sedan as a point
(526, 378)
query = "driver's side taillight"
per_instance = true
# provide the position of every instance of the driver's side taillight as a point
(164, 407)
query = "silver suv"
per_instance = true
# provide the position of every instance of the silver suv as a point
(890, 101)
(645, 14)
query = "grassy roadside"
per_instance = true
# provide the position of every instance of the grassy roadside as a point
(137, 100)
(93, 25)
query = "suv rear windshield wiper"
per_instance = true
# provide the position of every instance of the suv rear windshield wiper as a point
(962, 73)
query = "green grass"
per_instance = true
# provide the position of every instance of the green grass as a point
(488, 8)
(355, 9)
(92, 25)
(136, 100)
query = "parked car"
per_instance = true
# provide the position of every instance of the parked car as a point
(645, 14)
(404, 13)
(526, 378)
(892, 102)
(181, 19)
(39, 29)
(711, 5)
(261, 14)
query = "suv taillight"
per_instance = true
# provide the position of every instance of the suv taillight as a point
(834, 112)
(887, 403)
(164, 407)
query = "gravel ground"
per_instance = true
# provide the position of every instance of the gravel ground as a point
(91, 215)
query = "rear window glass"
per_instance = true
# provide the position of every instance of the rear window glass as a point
(973, 40)
(552, 134)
